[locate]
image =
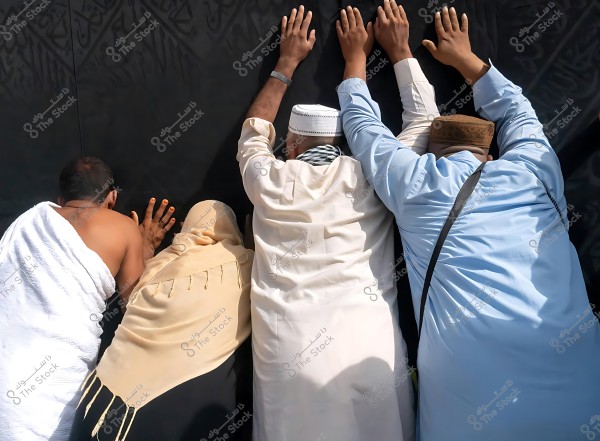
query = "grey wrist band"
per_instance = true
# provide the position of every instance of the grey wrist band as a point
(281, 77)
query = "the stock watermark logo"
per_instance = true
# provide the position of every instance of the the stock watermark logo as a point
(27, 266)
(363, 189)
(554, 231)
(234, 422)
(375, 68)
(316, 347)
(592, 429)
(281, 263)
(384, 389)
(15, 23)
(552, 127)
(293, 145)
(527, 37)
(124, 45)
(500, 401)
(264, 164)
(112, 312)
(249, 60)
(40, 122)
(462, 314)
(200, 340)
(169, 134)
(433, 6)
(181, 240)
(26, 388)
(456, 102)
(113, 419)
(380, 284)
(571, 335)
(347, 95)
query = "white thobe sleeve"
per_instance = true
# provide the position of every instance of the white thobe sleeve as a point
(418, 102)
(255, 155)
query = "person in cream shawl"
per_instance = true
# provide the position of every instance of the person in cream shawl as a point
(179, 366)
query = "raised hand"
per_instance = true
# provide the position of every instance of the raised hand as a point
(356, 41)
(453, 39)
(154, 227)
(454, 47)
(391, 31)
(296, 43)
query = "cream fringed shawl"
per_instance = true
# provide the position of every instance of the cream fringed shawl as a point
(187, 315)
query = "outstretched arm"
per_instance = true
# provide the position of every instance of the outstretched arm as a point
(255, 146)
(416, 93)
(356, 42)
(398, 175)
(295, 46)
(389, 166)
(521, 137)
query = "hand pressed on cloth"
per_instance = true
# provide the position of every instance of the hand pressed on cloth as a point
(154, 227)
(454, 47)
(356, 41)
(391, 31)
(296, 43)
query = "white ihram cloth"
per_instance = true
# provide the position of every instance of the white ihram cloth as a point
(52, 287)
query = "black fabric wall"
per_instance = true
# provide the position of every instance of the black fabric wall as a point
(211, 57)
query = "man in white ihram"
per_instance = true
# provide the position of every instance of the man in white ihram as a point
(57, 269)
(329, 361)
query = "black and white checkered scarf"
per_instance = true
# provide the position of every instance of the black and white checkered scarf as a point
(321, 155)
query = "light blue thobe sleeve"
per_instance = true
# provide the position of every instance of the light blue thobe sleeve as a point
(520, 135)
(397, 174)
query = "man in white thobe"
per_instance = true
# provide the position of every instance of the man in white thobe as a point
(329, 358)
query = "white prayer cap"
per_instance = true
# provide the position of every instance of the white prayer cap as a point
(315, 120)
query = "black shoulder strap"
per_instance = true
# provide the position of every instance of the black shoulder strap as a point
(562, 219)
(463, 195)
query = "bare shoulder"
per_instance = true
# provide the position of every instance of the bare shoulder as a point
(109, 233)
(116, 217)
(117, 221)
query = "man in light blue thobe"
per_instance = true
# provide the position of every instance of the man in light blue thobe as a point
(510, 346)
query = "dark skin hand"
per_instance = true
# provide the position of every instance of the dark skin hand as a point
(154, 227)
(391, 31)
(454, 47)
(296, 44)
(356, 42)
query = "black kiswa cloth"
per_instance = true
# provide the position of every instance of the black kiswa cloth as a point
(189, 412)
